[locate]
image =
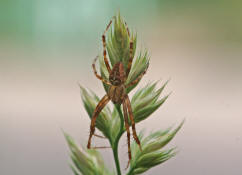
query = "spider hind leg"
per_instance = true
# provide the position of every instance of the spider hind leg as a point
(131, 116)
(128, 132)
(96, 112)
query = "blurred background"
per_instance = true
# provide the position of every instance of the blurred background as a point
(47, 48)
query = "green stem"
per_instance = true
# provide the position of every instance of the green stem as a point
(115, 145)
(130, 172)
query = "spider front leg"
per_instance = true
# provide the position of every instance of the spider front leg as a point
(104, 47)
(96, 112)
(127, 28)
(126, 121)
(131, 48)
(131, 116)
(98, 76)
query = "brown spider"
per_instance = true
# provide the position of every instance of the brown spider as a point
(117, 91)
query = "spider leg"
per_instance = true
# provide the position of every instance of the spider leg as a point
(130, 51)
(104, 47)
(98, 76)
(131, 48)
(101, 147)
(102, 137)
(128, 104)
(127, 129)
(138, 78)
(96, 112)
(127, 28)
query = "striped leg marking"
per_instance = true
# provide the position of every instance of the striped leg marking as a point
(104, 47)
(98, 76)
(138, 78)
(132, 121)
(96, 112)
(126, 121)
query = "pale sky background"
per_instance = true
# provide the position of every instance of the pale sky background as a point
(47, 47)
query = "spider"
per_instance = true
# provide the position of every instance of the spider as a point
(117, 91)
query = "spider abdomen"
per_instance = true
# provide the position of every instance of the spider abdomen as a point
(116, 94)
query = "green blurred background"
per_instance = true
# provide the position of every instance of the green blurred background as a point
(47, 47)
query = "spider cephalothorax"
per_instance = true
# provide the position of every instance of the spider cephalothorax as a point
(117, 77)
(117, 91)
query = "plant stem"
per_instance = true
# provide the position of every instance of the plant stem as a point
(130, 172)
(115, 145)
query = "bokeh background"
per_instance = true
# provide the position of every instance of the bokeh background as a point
(47, 47)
